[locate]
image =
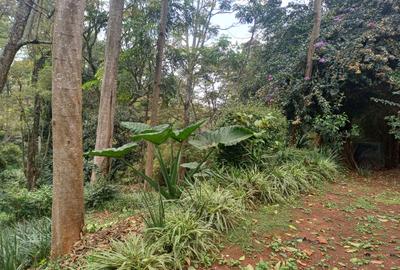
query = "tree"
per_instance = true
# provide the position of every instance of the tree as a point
(95, 22)
(68, 203)
(194, 31)
(157, 82)
(313, 38)
(13, 44)
(105, 123)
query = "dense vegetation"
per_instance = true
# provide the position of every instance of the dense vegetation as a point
(199, 130)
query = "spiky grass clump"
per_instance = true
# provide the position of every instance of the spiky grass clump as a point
(24, 244)
(133, 253)
(185, 237)
(221, 208)
(287, 176)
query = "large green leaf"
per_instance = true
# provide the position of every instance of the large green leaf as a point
(135, 127)
(181, 135)
(156, 135)
(223, 136)
(114, 152)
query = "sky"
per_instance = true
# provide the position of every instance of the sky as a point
(237, 32)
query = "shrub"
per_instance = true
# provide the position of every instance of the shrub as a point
(218, 207)
(185, 237)
(269, 124)
(10, 155)
(123, 202)
(25, 244)
(12, 176)
(24, 204)
(98, 194)
(134, 253)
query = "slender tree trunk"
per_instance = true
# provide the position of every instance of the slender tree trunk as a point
(24, 9)
(157, 82)
(188, 97)
(32, 166)
(313, 37)
(105, 122)
(32, 170)
(68, 205)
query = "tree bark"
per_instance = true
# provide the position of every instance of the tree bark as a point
(105, 122)
(32, 166)
(313, 38)
(157, 82)
(24, 9)
(68, 204)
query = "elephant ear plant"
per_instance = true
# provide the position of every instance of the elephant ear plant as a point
(160, 135)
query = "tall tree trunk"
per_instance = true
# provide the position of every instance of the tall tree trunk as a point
(157, 82)
(24, 9)
(105, 122)
(68, 205)
(313, 37)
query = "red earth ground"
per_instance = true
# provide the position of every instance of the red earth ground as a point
(353, 224)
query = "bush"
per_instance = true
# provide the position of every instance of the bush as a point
(218, 207)
(12, 176)
(134, 253)
(25, 244)
(185, 237)
(269, 124)
(123, 202)
(98, 194)
(10, 156)
(24, 204)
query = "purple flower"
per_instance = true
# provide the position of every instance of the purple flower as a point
(323, 60)
(307, 78)
(269, 77)
(338, 18)
(371, 24)
(320, 44)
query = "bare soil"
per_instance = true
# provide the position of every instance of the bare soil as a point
(353, 223)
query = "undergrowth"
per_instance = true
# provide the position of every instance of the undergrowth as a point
(25, 244)
(187, 231)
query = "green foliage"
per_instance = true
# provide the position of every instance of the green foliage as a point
(10, 155)
(12, 176)
(155, 211)
(332, 129)
(25, 244)
(123, 202)
(226, 136)
(218, 207)
(267, 123)
(24, 204)
(133, 254)
(160, 134)
(185, 237)
(289, 176)
(394, 123)
(114, 152)
(98, 194)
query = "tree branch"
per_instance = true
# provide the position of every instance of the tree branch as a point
(35, 41)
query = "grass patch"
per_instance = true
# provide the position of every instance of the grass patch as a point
(364, 203)
(388, 198)
(265, 219)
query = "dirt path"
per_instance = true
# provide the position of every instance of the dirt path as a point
(352, 224)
